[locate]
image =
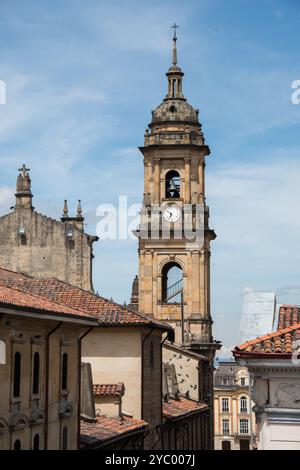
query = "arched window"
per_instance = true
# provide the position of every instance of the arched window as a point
(172, 184)
(171, 283)
(243, 405)
(36, 442)
(17, 375)
(17, 445)
(36, 373)
(2, 352)
(64, 372)
(65, 438)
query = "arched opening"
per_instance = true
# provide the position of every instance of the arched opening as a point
(172, 282)
(36, 442)
(36, 373)
(17, 375)
(65, 438)
(2, 352)
(17, 445)
(172, 184)
(64, 372)
(243, 405)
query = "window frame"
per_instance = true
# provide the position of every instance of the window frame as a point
(225, 400)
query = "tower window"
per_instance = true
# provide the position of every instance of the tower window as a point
(173, 87)
(172, 109)
(36, 442)
(172, 184)
(171, 283)
(36, 373)
(17, 445)
(64, 372)
(65, 438)
(17, 375)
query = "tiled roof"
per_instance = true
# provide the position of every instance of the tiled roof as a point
(106, 429)
(183, 406)
(289, 315)
(109, 390)
(12, 297)
(276, 344)
(107, 312)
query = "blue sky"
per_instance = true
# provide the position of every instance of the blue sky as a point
(82, 78)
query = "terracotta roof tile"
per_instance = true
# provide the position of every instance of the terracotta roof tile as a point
(12, 297)
(279, 342)
(289, 315)
(176, 408)
(109, 390)
(106, 311)
(106, 428)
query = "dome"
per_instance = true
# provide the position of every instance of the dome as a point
(175, 110)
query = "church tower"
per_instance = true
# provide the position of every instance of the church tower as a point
(174, 272)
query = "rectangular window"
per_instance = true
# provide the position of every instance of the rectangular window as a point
(244, 426)
(243, 382)
(225, 426)
(243, 405)
(225, 381)
(225, 404)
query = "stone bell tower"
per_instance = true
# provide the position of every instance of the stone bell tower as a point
(174, 273)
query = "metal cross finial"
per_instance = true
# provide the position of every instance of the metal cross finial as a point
(175, 26)
(24, 170)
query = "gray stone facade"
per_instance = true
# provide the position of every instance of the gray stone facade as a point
(39, 246)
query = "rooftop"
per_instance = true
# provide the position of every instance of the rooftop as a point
(176, 408)
(109, 389)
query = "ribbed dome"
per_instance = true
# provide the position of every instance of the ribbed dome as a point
(175, 110)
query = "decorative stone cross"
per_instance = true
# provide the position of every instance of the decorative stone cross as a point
(175, 26)
(24, 170)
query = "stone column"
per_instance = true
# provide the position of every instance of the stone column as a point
(156, 181)
(187, 179)
(201, 170)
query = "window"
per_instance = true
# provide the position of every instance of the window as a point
(243, 381)
(225, 381)
(17, 375)
(243, 405)
(225, 404)
(64, 372)
(36, 374)
(65, 438)
(226, 445)
(244, 426)
(36, 442)
(171, 283)
(17, 445)
(172, 184)
(225, 427)
(2, 352)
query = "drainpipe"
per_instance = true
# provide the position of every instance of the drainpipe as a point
(47, 383)
(79, 384)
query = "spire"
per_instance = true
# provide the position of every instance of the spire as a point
(175, 26)
(174, 73)
(79, 209)
(23, 188)
(65, 209)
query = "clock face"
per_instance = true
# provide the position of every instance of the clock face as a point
(172, 213)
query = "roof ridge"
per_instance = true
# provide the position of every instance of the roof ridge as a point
(272, 335)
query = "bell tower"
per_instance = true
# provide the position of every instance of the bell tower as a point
(174, 272)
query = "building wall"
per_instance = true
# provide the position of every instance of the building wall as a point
(20, 416)
(45, 250)
(234, 414)
(277, 397)
(115, 355)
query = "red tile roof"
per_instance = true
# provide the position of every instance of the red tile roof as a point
(109, 390)
(107, 312)
(106, 429)
(11, 297)
(183, 406)
(289, 315)
(277, 344)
